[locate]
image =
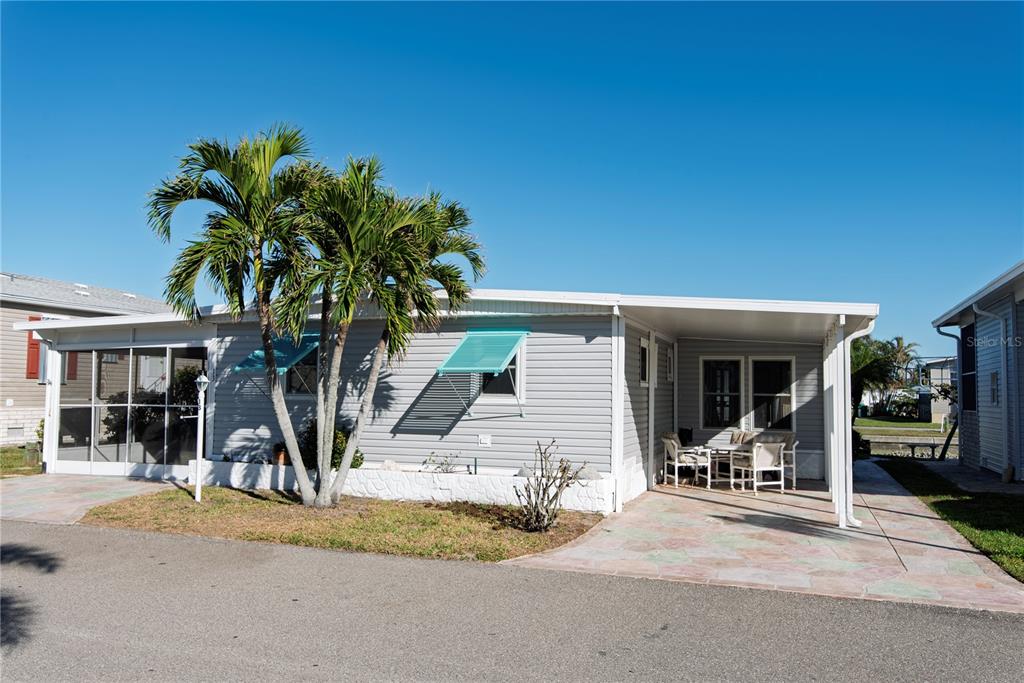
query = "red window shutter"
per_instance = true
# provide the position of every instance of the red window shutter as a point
(72, 357)
(32, 357)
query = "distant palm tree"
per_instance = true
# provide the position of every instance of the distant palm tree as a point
(250, 240)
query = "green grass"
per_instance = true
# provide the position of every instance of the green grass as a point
(462, 531)
(895, 423)
(992, 522)
(19, 460)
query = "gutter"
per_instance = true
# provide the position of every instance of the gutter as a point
(978, 310)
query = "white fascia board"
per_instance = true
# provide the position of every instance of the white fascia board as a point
(1006, 280)
(703, 303)
(136, 320)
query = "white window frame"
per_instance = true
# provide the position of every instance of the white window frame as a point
(670, 365)
(645, 345)
(520, 384)
(792, 393)
(700, 392)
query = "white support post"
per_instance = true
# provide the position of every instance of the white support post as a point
(652, 385)
(618, 340)
(51, 412)
(675, 386)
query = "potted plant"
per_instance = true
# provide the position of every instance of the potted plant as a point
(281, 454)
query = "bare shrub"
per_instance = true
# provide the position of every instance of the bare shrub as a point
(541, 497)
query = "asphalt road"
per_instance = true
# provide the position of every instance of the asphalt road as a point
(96, 604)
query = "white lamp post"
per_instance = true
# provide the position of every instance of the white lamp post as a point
(202, 381)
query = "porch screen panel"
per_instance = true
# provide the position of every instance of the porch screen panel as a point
(772, 394)
(721, 394)
(74, 440)
(181, 435)
(111, 432)
(112, 375)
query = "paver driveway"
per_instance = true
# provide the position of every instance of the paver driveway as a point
(902, 552)
(64, 498)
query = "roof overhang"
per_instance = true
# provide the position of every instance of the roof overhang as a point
(1010, 282)
(699, 317)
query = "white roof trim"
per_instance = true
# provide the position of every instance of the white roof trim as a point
(952, 315)
(611, 301)
(702, 303)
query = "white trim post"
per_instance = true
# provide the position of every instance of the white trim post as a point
(652, 385)
(618, 406)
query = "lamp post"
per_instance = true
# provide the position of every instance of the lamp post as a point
(202, 381)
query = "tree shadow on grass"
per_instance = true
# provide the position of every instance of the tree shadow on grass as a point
(497, 516)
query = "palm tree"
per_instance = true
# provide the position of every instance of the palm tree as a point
(403, 262)
(249, 244)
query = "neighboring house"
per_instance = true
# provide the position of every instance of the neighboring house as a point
(988, 326)
(936, 372)
(603, 374)
(25, 298)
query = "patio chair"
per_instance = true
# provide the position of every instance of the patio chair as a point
(676, 457)
(788, 453)
(764, 457)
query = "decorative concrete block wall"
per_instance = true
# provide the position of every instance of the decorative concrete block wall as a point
(594, 495)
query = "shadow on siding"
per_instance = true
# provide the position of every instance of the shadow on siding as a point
(438, 407)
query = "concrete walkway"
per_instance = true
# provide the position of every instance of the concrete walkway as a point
(903, 552)
(64, 498)
(972, 480)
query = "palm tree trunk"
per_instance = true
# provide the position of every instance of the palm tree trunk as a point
(284, 420)
(324, 444)
(332, 384)
(365, 407)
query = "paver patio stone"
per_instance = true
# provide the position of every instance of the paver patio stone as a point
(789, 541)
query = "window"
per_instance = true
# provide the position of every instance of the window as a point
(301, 377)
(720, 393)
(503, 384)
(968, 384)
(645, 361)
(771, 393)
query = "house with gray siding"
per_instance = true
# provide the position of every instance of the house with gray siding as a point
(987, 327)
(25, 298)
(603, 375)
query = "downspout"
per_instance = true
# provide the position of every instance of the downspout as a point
(848, 420)
(1002, 377)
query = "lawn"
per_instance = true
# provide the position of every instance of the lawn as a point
(459, 531)
(19, 460)
(992, 522)
(895, 423)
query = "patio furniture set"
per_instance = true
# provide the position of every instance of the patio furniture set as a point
(745, 459)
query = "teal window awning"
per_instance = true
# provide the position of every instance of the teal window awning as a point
(286, 352)
(483, 351)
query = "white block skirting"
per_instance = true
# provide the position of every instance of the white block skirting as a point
(594, 495)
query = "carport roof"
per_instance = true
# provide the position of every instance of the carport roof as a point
(744, 319)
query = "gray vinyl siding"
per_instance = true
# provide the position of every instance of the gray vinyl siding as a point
(992, 416)
(808, 407)
(568, 396)
(663, 404)
(634, 447)
(1018, 396)
(18, 422)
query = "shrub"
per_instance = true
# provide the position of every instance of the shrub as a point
(541, 498)
(904, 406)
(307, 446)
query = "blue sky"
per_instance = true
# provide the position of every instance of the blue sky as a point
(810, 151)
